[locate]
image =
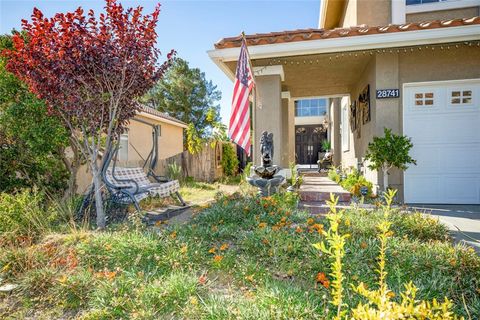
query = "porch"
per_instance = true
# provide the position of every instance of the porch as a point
(347, 67)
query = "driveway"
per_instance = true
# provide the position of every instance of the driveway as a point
(462, 220)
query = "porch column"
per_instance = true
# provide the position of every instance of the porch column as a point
(288, 131)
(268, 110)
(389, 113)
(334, 130)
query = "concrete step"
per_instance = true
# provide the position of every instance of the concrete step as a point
(317, 188)
(320, 207)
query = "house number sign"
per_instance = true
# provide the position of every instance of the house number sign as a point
(388, 93)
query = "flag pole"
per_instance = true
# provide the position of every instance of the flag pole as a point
(254, 103)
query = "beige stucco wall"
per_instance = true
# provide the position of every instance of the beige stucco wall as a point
(443, 15)
(369, 12)
(392, 70)
(359, 143)
(170, 143)
(268, 116)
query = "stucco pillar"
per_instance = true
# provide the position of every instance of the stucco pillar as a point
(291, 130)
(388, 112)
(334, 129)
(268, 115)
(285, 158)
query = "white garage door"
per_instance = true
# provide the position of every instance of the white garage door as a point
(443, 121)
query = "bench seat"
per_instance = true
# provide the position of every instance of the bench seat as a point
(133, 182)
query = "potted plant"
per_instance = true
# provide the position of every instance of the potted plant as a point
(325, 157)
(389, 151)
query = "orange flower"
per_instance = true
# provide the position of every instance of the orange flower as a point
(363, 245)
(310, 221)
(283, 219)
(224, 247)
(265, 241)
(326, 284)
(184, 249)
(262, 225)
(276, 227)
(173, 235)
(212, 250)
(391, 294)
(298, 230)
(160, 222)
(321, 277)
(217, 258)
(318, 227)
(249, 278)
(202, 279)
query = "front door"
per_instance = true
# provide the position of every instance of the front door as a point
(308, 139)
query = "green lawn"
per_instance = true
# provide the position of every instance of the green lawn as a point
(240, 258)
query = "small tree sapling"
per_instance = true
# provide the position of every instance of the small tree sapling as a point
(389, 151)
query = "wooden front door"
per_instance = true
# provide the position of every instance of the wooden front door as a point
(308, 141)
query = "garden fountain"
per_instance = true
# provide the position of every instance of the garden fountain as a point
(265, 176)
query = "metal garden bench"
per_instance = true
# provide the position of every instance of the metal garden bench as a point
(131, 185)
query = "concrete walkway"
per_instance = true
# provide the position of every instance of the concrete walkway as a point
(316, 187)
(462, 220)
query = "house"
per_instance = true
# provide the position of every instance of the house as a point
(137, 143)
(412, 66)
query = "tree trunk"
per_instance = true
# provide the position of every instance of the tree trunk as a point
(97, 184)
(385, 179)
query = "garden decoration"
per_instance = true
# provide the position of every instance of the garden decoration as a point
(266, 178)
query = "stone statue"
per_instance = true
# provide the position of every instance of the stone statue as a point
(266, 148)
(266, 178)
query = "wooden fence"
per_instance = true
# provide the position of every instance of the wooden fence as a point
(203, 166)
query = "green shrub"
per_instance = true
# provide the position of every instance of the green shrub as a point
(353, 182)
(174, 171)
(24, 217)
(363, 223)
(333, 174)
(229, 159)
(246, 171)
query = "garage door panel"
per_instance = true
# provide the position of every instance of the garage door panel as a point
(461, 158)
(443, 121)
(428, 160)
(429, 185)
(421, 131)
(458, 188)
(459, 128)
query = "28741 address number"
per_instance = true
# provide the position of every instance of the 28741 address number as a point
(388, 93)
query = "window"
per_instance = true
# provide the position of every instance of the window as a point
(424, 99)
(461, 97)
(412, 2)
(123, 148)
(310, 107)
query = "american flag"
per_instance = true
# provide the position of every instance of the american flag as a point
(239, 129)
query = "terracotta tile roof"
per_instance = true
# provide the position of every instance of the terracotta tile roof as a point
(316, 34)
(157, 113)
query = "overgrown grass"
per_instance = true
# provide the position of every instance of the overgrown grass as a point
(242, 257)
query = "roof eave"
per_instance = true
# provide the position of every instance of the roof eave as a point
(346, 44)
(161, 119)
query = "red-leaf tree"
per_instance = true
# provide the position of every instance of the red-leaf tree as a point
(90, 71)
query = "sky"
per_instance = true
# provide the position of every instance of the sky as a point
(189, 27)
